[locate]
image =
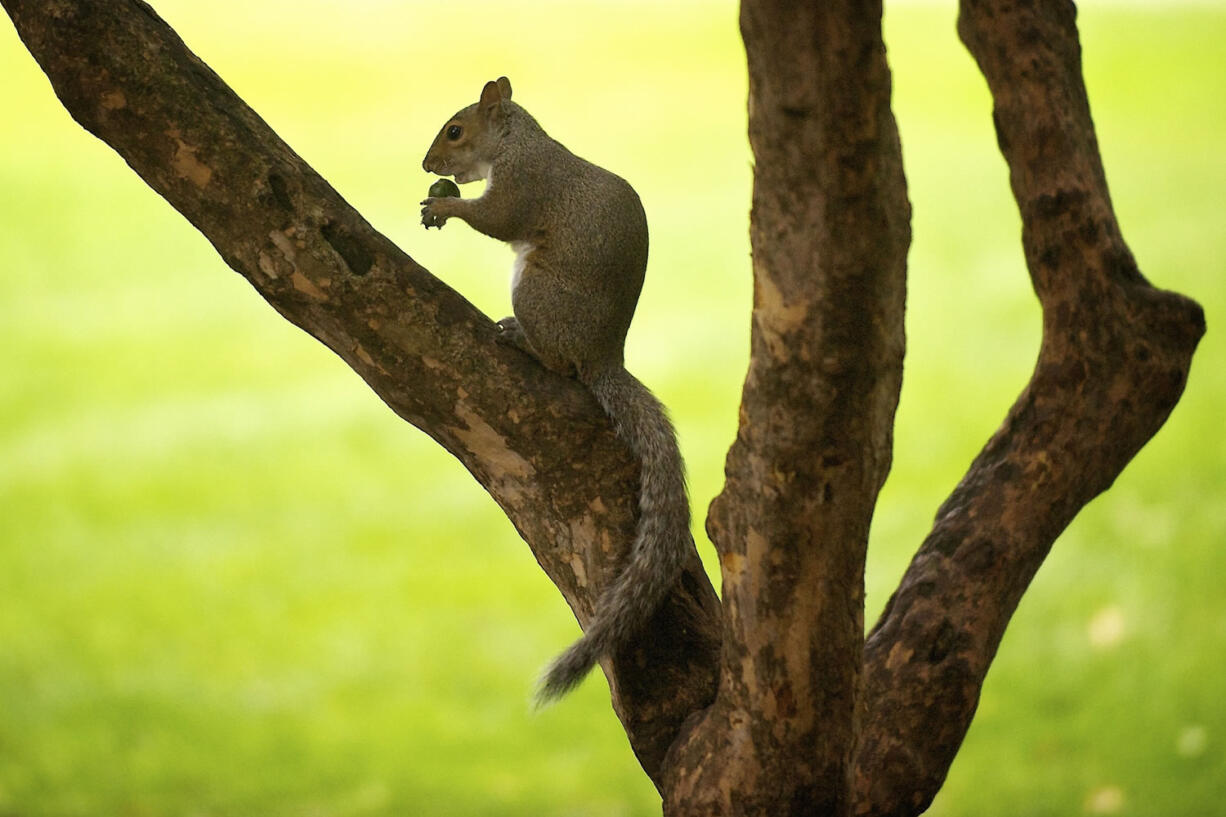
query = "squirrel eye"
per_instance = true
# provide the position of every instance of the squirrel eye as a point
(453, 132)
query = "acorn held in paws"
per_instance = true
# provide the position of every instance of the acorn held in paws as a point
(443, 188)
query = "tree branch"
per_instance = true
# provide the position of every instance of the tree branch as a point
(830, 231)
(1113, 362)
(429, 354)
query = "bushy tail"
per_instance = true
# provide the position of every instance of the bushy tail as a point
(660, 543)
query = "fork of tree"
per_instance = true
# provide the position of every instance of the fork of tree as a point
(771, 701)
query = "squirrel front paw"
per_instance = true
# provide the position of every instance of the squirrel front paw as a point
(434, 212)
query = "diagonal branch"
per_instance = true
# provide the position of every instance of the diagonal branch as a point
(127, 78)
(1112, 365)
(830, 231)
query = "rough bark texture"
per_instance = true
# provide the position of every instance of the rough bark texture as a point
(774, 703)
(126, 77)
(813, 447)
(1113, 362)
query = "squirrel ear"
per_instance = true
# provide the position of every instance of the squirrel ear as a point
(491, 95)
(504, 85)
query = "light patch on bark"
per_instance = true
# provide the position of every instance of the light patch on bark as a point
(733, 565)
(582, 531)
(740, 739)
(754, 575)
(268, 266)
(575, 561)
(307, 287)
(586, 535)
(900, 655)
(776, 317)
(281, 241)
(365, 357)
(756, 547)
(274, 265)
(490, 447)
(185, 162)
(114, 100)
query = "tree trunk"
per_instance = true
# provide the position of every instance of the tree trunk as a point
(771, 702)
(830, 227)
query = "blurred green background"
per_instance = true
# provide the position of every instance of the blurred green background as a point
(233, 583)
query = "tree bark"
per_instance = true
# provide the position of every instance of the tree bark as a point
(773, 703)
(830, 230)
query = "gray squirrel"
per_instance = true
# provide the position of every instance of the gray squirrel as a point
(580, 239)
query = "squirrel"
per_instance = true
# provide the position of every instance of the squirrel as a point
(579, 235)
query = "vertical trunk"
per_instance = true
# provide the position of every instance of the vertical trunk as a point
(830, 231)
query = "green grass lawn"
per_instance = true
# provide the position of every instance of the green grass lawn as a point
(233, 583)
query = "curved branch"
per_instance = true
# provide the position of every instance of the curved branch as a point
(1113, 362)
(429, 354)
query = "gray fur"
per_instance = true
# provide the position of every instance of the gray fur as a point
(660, 543)
(580, 235)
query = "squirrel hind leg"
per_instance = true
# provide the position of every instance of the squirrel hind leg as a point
(512, 334)
(553, 356)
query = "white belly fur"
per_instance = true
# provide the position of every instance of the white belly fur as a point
(522, 249)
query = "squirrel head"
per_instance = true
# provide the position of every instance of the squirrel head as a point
(466, 145)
